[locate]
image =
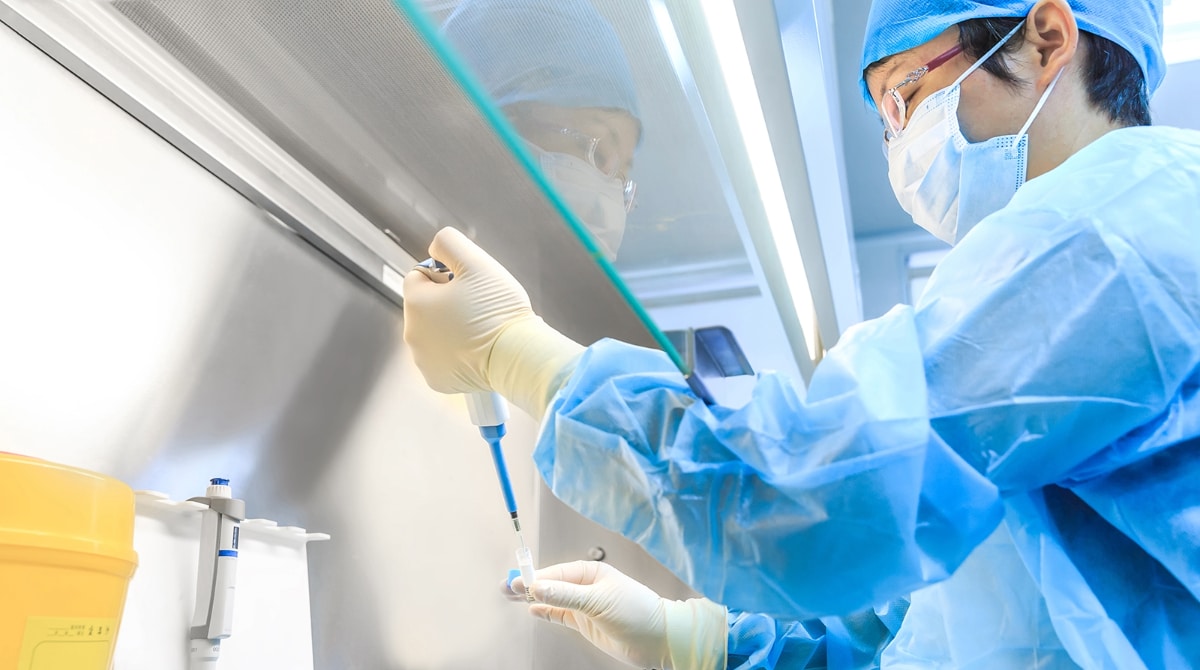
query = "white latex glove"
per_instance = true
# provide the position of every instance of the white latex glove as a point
(628, 621)
(479, 333)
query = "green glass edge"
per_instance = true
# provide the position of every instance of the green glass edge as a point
(475, 92)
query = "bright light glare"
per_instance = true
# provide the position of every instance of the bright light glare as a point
(739, 80)
(1181, 42)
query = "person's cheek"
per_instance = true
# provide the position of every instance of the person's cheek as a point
(976, 112)
(989, 108)
(971, 125)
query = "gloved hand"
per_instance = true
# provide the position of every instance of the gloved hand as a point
(626, 620)
(479, 333)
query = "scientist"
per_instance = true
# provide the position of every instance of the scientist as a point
(558, 72)
(1043, 396)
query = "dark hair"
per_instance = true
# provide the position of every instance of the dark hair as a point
(1115, 82)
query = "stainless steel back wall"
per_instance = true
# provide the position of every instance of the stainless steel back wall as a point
(160, 328)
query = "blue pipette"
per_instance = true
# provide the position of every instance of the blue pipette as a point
(489, 412)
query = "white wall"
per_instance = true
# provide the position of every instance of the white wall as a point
(1175, 103)
(883, 268)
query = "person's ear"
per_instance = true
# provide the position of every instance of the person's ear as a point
(1053, 32)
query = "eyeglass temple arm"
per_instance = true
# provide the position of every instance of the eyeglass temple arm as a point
(944, 58)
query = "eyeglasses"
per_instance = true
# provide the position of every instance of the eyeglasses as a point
(894, 108)
(601, 155)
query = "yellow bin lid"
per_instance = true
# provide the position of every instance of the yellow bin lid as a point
(53, 506)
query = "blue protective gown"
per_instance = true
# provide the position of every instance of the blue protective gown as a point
(1037, 411)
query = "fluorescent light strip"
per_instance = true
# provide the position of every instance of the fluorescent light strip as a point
(734, 61)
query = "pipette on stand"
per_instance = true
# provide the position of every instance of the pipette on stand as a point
(212, 621)
(489, 412)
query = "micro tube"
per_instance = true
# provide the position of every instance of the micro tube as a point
(525, 562)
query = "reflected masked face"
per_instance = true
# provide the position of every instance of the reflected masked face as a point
(586, 154)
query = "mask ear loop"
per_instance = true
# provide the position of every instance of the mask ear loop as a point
(988, 54)
(1038, 108)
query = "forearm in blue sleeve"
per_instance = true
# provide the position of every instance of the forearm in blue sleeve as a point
(758, 642)
(796, 508)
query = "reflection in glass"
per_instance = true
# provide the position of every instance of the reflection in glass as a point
(587, 86)
(557, 70)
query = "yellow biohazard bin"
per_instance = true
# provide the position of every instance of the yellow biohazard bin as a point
(66, 558)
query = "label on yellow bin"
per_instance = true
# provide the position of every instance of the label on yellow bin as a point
(67, 644)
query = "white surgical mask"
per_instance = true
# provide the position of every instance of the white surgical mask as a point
(598, 200)
(944, 181)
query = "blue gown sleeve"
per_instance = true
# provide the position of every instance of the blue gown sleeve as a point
(793, 508)
(1048, 339)
(758, 642)
(1040, 341)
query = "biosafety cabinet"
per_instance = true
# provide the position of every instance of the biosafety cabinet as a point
(208, 208)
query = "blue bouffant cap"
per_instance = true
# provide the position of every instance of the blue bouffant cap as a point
(557, 52)
(899, 25)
